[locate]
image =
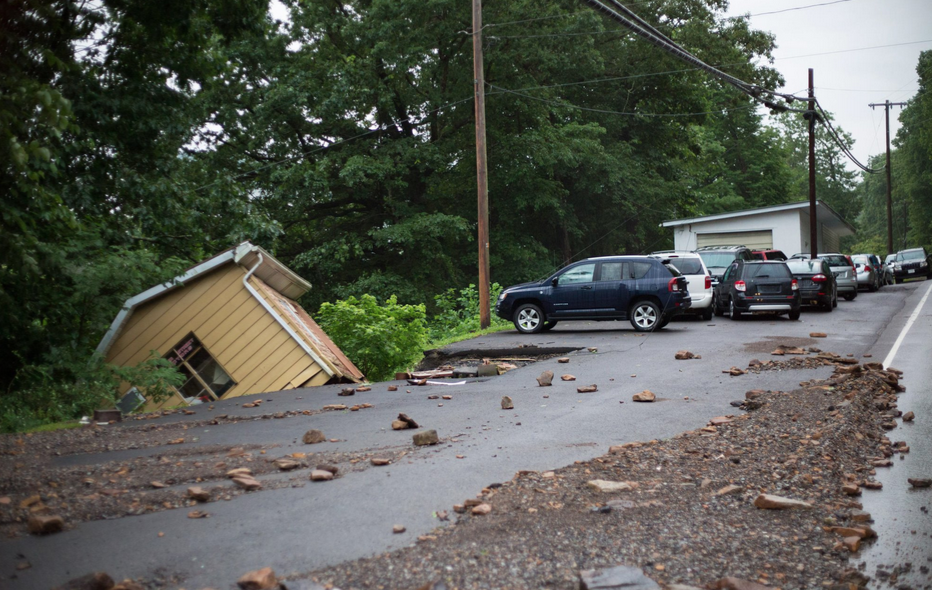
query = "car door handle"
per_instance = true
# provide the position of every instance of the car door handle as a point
(586, 288)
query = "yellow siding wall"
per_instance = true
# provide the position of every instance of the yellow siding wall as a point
(238, 332)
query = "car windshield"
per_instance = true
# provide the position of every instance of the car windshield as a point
(801, 265)
(860, 260)
(836, 260)
(767, 271)
(910, 255)
(688, 266)
(717, 259)
(890, 258)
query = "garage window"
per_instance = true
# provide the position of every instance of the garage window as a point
(205, 379)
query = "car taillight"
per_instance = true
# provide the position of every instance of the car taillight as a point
(819, 279)
(740, 286)
(708, 282)
(868, 269)
(794, 285)
(673, 285)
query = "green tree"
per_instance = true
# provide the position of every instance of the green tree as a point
(914, 147)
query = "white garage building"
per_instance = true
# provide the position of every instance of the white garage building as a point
(778, 227)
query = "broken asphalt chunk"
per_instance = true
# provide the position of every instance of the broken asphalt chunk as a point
(545, 379)
(426, 437)
(620, 577)
(320, 475)
(45, 524)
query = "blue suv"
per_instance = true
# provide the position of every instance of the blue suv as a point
(646, 291)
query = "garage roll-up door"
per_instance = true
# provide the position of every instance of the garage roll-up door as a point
(755, 240)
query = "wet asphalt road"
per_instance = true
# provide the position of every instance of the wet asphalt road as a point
(299, 529)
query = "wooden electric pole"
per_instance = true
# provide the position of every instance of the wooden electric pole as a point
(886, 105)
(482, 171)
(813, 226)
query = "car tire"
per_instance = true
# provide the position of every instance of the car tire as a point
(898, 280)
(794, 315)
(872, 287)
(716, 308)
(707, 314)
(733, 313)
(835, 298)
(549, 325)
(645, 316)
(529, 318)
(850, 296)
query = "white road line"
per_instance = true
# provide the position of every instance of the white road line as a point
(912, 318)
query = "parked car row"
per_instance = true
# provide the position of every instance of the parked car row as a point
(649, 291)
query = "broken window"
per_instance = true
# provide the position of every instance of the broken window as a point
(205, 379)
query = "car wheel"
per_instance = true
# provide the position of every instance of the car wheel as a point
(835, 297)
(549, 325)
(732, 312)
(850, 296)
(529, 319)
(707, 314)
(645, 316)
(716, 308)
(794, 315)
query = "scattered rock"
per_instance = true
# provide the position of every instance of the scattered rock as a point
(198, 514)
(852, 544)
(568, 377)
(730, 583)
(239, 472)
(507, 404)
(604, 486)
(644, 396)
(564, 359)
(263, 579)
(873, 485)
(363, 389)
(729, 490)
(426, 437)
(753, 394)
(545, 379)
(380, 461)
(399, 425)
(459, 508)
(592, 349)
(393, 388)
(819, 335)
(312, 437)
(407, 420)
(327, 467)
(851, 489)
(487, 370)
(481, 509)
(735, 371)
(909, 417)
(918, 482)
(587, 388)
(620, 577)
(198, 494)
(247, 483)
(334, 407)
(720, 420)
(772, 502)
(45, 524)
(320, 475)
(398, 529)
(685, 355)
(286, 464)
(347, 391)
(95, 581)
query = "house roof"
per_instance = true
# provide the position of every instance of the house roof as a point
(824, 213)
(272, 272)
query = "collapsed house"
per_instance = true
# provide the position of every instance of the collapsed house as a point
(232, 327)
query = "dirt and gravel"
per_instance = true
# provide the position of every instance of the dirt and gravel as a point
(688, 517)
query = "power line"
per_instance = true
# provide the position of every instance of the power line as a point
(608, 112)
(856, 49)
(792, 9)
(841, 144)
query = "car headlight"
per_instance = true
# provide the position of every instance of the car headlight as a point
(897, 266)
(923, 263)
(502, 296)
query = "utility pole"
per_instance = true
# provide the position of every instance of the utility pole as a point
(886, 107)
(482, 171)
(813, 226)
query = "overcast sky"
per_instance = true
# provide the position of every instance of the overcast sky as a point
(860, 71)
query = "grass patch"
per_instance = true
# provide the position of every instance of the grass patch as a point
(55, 426)
(460, 337)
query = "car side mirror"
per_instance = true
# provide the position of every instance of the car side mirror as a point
(555, 281)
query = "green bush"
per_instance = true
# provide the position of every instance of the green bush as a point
(64, 389)
(458, 313)
(379, 339)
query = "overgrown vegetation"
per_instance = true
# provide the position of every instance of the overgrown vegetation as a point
(138, 138)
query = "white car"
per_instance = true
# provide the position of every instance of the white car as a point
(698, 279)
